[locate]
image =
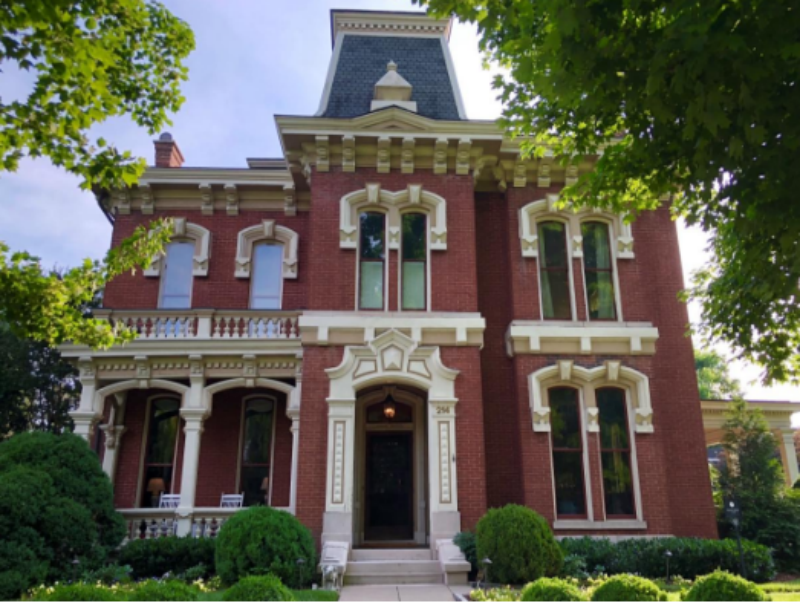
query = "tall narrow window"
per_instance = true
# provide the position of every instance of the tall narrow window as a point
(267, 277)
(615, 452)
(176, 279)
(554, 271)
(162, 443)
(372, 255)
(598, 271)
(259, 416)
(567, 443)
(415, 256)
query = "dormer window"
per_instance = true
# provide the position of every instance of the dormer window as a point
(392, 90)
(177, 277)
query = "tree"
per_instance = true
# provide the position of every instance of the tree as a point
(37, 387)
(93, 59)
(698, 100)
(713, 377)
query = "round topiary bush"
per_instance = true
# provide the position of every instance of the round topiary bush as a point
(168, 590)
(56, 506)
(519, 543)
(551, 589)
(258, 588)
(724, 586)
(261, 540)
(624, 587)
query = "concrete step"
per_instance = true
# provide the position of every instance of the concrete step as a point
(393, 572)
(390, 554)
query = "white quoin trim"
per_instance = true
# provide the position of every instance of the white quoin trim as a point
(612, 373)
(201, 237)
(270, 232)
(412, 199)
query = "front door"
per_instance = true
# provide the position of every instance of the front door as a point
(389, 511)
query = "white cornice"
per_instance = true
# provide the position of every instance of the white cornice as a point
(223, 176)
(549, 337)
(388, 23)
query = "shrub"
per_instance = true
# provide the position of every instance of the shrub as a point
(724, 586)
(628, 588)
(574, 567)
(519, 543)
(68, 511)
(159, 556)
(551, 589)
(108, 575)
(466, 542)
(258, 588)
(168, 590)
(77, 592)
(261, 540)
(504, 593)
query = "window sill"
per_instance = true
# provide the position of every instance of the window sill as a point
(609, 524)
(575, 338)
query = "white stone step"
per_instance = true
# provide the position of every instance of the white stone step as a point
(393, 572)
(390, 554)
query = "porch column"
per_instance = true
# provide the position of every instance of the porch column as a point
(113, 431)
(293, 412)
(445, 517)
(85, 417)
(338, 519)
(194, 414)
(789, 454)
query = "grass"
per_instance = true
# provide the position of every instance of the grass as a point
(299, 595)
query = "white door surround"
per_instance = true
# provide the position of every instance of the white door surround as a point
(392, 358)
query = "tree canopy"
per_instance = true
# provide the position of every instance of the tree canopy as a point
(696, 100)
(713, 377)
(91, 60)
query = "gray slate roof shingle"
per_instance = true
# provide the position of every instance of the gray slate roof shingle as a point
(363, 60)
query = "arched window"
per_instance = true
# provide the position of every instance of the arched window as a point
(598, 271)
(267, 277)
(415, 260)
(257, 439)
(566, 436)
(177, 277)
(163, 434)
(372, 258)
(615, 452)
(554, 271)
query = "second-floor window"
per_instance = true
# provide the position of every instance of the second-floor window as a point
(372, 260)
(415, 260)
(598, 271)
(567, 443)
(267, 276)
(554, 272)
(177, 277)
(257, 440)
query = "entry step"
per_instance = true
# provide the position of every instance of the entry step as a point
(393, 571)
(409, 554)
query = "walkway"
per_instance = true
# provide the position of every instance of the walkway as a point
(402, 592)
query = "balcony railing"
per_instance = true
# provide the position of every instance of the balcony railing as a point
(206, 324)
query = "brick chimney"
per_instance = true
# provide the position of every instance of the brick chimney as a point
(168, 155)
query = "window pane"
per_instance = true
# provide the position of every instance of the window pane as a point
(413, 285)
(613, 420)
(554, 271)
(553, 245)
(617, 483)
(267, 277)
(600, 294)
(556, 303)
(371, 285)
(565, 423)
(164, 420)
(372, 236)
(157, 481)
(596, 250)
(255, 485)
(568, 468)
(414, 247)
(258, 431)
(176, 285)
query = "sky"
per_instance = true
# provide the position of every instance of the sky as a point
(253, 59)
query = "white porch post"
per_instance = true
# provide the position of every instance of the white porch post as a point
(338, 519)
(194, 413)
(113, 432)
(445, 517)
(86, 415)
(293, 412)
(789, 454)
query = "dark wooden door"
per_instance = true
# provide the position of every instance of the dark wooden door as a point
(389, 510)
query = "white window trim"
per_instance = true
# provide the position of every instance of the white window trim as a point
(614, 270)
(181, 229)
(240, 451)
(427, 265)
(268, 232)
(378, 210)
(573, 306)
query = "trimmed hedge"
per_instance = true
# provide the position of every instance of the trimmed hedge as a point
(691, 557)
(628, 588)
(159, 556)
(261, 540)
(258, 588)
(466, 542)
(724, 586)
(519, 543)
(551, 589)
(170, 590)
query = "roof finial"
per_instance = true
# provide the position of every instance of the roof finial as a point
(392, 66)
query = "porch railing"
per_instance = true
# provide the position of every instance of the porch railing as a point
(205, 324)
(206, 522)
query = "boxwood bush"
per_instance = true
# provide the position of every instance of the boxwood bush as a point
(168, 590)
(551, 589)
(258, 588)
(159, 556)
(625, 587)
(519, 543)
(690, 557)
(724, 586)
(261, 540)
(466, 542)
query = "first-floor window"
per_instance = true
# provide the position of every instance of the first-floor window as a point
(372, 255)
(162, 443)
(415, 255)
(615, 452)
(267, 277)
(567, 443)
(259, 418)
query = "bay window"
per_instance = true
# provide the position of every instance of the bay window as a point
(177, 277)
(598, 271)
(554, 272)
(566, 438)
(257, 439)
(372, 259)
(615, 452)
(414, 264)
(163, 433)
(267, 277)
